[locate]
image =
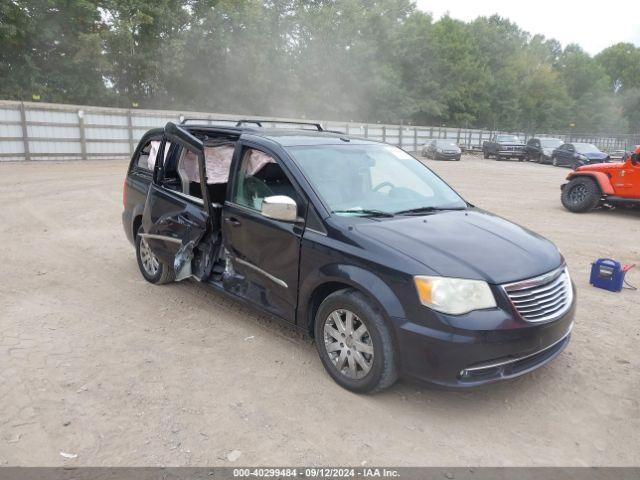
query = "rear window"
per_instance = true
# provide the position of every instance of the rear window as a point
(147, 158)
(142, 161)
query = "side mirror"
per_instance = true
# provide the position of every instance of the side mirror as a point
(279, 207)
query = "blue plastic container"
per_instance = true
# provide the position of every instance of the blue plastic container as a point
(607, 274)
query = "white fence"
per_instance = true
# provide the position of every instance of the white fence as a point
(43, 131)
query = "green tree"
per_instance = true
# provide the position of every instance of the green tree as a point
(43, 45)
(621, 62)
(595, 109)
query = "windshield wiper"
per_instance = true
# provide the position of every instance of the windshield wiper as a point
(365, 211)
(427, 210)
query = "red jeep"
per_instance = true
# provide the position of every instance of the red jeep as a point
(600, 184)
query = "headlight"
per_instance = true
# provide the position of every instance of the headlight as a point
(454, 296)
(582, 157)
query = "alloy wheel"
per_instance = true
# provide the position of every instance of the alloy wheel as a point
(578, 194)
(149, 260)
(348, 344)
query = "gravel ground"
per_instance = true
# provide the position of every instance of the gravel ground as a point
(99, 367)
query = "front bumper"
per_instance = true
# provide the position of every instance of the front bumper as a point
(459, 355)
(510, 367)
(447, 156)
(511, 153)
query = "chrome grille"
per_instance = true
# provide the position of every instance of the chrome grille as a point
(543, 298)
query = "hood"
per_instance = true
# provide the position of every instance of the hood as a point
(512, 144)
(601, 167)
(469, 243)
(596, 155)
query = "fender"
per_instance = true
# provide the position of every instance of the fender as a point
(357, 277)
(129, 219)
(138, 210)
(602, 178)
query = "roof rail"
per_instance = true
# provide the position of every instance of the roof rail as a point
(183, 120)
(284, 122)
(239, 123)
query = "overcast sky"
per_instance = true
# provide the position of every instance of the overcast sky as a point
(594, 24)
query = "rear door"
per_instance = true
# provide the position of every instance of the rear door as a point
(176, 215)
(265, 252)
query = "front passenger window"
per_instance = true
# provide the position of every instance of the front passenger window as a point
(259, 177)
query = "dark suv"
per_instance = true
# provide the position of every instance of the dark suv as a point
(353, 241)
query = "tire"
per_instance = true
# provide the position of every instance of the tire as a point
(554, 161)
(540, 158)
(333, 312)
(162, 274)
(581, 195)
(485, 154)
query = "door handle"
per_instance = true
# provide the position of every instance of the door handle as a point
(233, 221)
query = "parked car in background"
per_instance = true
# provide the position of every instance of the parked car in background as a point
(442, 149)
(575, 155)
(540, 149)
(626, 153)
(503, 146)
(619, 154)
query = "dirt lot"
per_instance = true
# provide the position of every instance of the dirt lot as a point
(95, 362)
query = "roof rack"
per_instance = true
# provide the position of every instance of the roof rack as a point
(183, 120)
(244, 121)
(283, 122)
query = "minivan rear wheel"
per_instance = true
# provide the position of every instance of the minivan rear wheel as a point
(354, 342)
(152, 268)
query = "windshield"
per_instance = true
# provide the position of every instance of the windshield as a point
(550, 142)
(446, 143)
(368, 179)
(508, 138)
(586, 148)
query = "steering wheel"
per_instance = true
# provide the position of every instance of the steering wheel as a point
(382, 185)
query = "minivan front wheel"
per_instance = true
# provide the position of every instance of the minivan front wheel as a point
(354, 343)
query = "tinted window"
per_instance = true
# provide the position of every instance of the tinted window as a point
(586, 148)
(508, 138)
(446, 143)
(143, 159)
(550, 142)
(260, 176)
(189, 173)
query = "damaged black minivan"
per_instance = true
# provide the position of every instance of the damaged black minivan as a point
(355, 242)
